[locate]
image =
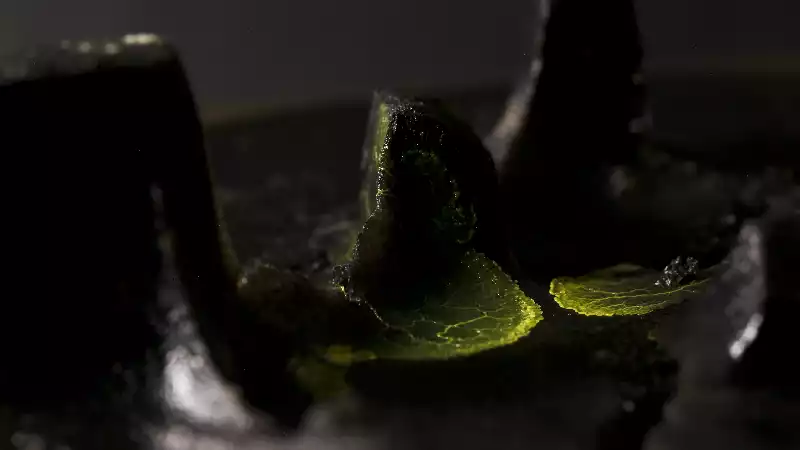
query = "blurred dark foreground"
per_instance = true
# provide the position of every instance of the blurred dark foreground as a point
(135, 224)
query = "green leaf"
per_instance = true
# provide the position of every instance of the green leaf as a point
(477, 307)
(621, 290)
(375, 162)
(425, 263)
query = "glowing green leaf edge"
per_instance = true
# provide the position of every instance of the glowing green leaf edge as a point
(620, 290)
(442, 345)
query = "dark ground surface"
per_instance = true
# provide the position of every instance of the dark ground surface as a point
(176, 360)
(280, 178)
(287, 186)
(282, 204)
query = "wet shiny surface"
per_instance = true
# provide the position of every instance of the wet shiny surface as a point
(730, 386)
(149, 350)
(77, 57)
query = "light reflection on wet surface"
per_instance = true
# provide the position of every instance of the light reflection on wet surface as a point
(192, 386)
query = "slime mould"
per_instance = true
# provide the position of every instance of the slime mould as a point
(628, 289)
(428, 260)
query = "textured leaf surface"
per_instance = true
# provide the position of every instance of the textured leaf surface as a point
(620, 290)
(423, 262)
(478, 307)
